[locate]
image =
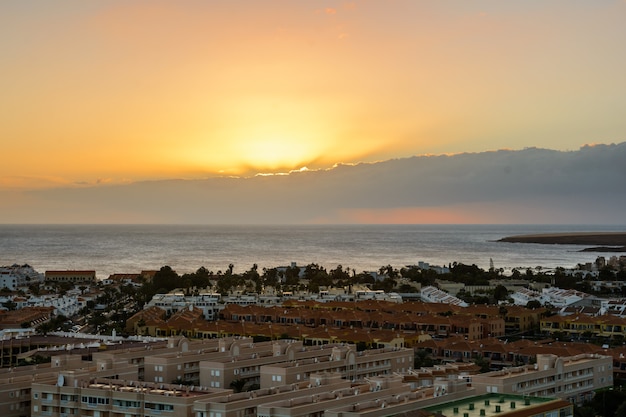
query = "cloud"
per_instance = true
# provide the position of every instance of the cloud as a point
(526, 186)
(330, 10)
(30, 182)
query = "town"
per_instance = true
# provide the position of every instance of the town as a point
(422, 340)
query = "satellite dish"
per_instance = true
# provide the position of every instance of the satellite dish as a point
(60, 380)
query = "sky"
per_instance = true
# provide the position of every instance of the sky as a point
(113, 91)
(103, 93)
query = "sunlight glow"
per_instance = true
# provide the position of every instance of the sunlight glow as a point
(272, 151)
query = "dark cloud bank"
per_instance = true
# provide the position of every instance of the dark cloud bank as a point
(529, 186)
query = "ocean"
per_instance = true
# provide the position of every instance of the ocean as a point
(109, 249)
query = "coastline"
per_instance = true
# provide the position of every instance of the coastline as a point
(602, 241)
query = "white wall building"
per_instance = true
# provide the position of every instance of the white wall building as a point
(15, 276)
(434, 295)
(209, 303)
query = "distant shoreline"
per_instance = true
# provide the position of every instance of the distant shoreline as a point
(606, 241)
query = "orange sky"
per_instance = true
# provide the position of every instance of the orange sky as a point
(106, 92)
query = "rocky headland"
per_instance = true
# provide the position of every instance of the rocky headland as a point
(601, 241)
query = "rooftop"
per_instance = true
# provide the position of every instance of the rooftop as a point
(487, 405)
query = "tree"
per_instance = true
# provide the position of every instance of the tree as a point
(34, 289)
(339, 274)
(180, 381)
(388, 271)
(44, 328)
(270, 278)
(165, 280)
(237, 385)
(608, 401)
(483, 363)
(422, 359)
(533, 304)
(621, 410)
(500, 292)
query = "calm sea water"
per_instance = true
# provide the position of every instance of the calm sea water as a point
(131, 248)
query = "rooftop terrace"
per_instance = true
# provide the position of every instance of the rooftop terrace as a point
(487, 405)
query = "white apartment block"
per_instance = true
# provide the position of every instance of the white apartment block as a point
(15, 276)
(209, 303)
(434, 295)
(571, 378)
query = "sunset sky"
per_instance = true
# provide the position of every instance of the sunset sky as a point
(109, 92)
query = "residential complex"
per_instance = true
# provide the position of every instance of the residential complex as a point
(196, 378)
(339, 354)
(574, 379)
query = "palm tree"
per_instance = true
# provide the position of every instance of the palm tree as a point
(237, 385)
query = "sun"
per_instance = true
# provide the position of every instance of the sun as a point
(264, 135)
(272, 151)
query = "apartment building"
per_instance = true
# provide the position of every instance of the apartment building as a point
(246, 365)
(387, 395)
(573, 378)
(345, 360)
(15, 276)
(84, 395)
(497, 405)
(16, 383)
(583, 325)
(209, 303)
(244, 404)
(184, 364)
(15, 389)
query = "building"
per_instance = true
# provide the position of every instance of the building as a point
(491, 405)
(16, 383)
(82, 395)
(583, 325)
(343, 359)
(209, 303)
(573, 378)
(72, 276)
(15, 276)
(245, 403)
(380, 396)
(289, 361)
(29, 317)
(435, 295)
